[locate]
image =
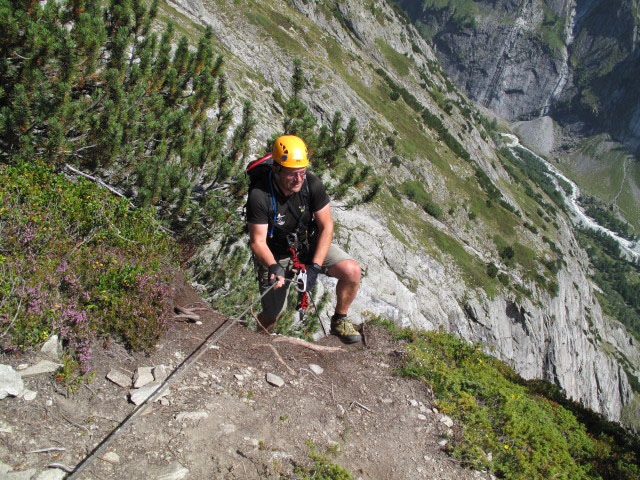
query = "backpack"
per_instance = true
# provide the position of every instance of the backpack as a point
(261, 167)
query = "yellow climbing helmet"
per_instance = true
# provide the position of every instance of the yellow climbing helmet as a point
(290, 151)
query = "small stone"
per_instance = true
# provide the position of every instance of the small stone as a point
(228, 428)
(424, 409)
(22, 366)
(173, 471)
(51, 474)
(50, 347)
(191, 416)
(413, 403)
(44, 366)
(164, 402)
(447, 421)
(341, 411)
(490, 456)
(119, 378)
(11, 383)
(22, 475)
(317, 369)
(240, 378)
(387, 400)
(29, 395)
(5, 428)
(111, 457)
(139, 395)
(384, 365)
(275, 380)
(421, 417)
(198, 322)
(434, 410)
(49, 402)
(142, 377)
(160, 373)
(443, 443)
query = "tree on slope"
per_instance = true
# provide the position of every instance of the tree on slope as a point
(96, 87)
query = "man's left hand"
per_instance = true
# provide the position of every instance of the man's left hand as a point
(312, 275)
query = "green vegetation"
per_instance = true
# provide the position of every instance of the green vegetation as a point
(321, 467)
(517, 429)
(605, 217)
(415, 191)
(604, 170)
(552, 31)
(98, 89)
(79, 263)
(463, 13)
(538, 173)
(618, 278)
(401, 64)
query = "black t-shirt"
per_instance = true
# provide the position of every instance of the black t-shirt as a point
(289, 210)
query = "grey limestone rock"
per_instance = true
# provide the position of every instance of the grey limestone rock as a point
(11, 383)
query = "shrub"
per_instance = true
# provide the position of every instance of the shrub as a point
(79, 264)
(527, 435)
(504, 279)
(432, 209)
(507, 253)
(492, 270)
(415, 191)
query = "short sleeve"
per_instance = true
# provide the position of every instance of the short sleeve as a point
(257, 209)
(318, 197)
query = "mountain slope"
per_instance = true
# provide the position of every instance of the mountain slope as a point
(432, 147)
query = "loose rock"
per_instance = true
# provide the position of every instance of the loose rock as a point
(119, 378)
(52, 474)
(111, 457)
(160, 373)
(275, 380)
(142, 377)
(23, 475)
(44, 366)
(141, 394)
(191, 416)
(173, 471)
(447, 421)
(29, 395)
(317, 369)
(50, 347)
(4, 428)
(11, 383)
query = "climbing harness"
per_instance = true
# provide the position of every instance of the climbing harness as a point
(211, 340)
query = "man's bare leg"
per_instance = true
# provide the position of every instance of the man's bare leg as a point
(348, 273)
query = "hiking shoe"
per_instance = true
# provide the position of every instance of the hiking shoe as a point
(345, 331)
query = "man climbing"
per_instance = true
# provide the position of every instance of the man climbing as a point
(289, 208)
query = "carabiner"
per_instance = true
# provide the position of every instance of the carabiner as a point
(301, 281)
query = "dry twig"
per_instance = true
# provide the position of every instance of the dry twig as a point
(309, 345)
(291, 371)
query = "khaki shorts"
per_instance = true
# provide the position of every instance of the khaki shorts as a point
(274, 302)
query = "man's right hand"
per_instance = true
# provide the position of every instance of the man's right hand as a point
(276, 275)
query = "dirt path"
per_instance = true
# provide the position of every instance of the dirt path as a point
(223, 420)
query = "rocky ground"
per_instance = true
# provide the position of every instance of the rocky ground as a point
(222, 419)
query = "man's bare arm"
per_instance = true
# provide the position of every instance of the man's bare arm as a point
(324, 221)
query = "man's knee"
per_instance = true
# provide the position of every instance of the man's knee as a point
(348, 270)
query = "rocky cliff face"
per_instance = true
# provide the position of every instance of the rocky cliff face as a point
(412, 261)
(574, 59)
